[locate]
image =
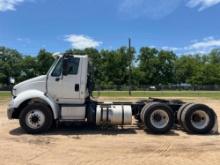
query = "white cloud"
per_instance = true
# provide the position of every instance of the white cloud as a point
(24, 40)
(153, 9)
(170, 48)
(6, 5)
(202, 4)
(82, 41)
(156, 9)
(205, 45)
(167, 48)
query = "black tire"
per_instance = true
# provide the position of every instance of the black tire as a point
(152, 108)
(182, 120)
(145, 108)
(180, 111)
(48, 118)
(187, 115)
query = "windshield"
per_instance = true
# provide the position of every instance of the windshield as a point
(53, 65)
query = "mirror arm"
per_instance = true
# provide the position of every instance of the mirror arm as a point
(61, 76)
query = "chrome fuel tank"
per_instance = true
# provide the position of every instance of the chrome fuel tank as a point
(114, 114)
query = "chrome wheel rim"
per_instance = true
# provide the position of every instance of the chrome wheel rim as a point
(35, 119)
(200, 119)
(159, 119)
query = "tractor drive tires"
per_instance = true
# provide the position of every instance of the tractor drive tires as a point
(36, 118)
(197, 119)
(179, 113)
(157, 117)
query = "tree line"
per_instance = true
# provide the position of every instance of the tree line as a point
(150, 66)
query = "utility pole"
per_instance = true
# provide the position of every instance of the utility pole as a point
(130, 62)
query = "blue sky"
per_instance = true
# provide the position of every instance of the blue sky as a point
(184, 26)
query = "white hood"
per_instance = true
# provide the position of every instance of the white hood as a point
(38, 83)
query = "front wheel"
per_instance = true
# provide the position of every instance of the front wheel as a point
(36, 118)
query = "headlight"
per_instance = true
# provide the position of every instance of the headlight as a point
(13, 92)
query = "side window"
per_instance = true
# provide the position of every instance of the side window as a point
(58, 69)
(73, 65)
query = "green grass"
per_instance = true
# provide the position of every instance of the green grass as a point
(5, 94)
(208, 94)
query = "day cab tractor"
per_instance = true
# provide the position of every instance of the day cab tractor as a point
(64, 95)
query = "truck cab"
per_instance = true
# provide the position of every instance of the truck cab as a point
(61, 90)
(64, 86)
(68, 85)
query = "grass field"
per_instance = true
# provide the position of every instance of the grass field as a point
(208, 94)
(4, 95)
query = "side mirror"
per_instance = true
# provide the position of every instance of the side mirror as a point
(65, 66)
(11, 80)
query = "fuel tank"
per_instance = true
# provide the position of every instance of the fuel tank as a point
(114, 114)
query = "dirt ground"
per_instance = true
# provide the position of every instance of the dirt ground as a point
(84, 145)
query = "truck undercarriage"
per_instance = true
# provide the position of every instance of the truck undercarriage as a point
(157, 115)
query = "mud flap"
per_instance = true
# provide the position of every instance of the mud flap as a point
(215, 128)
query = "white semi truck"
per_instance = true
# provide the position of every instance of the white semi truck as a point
(64, 95)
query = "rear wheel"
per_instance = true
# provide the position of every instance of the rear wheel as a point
(180, 111)
(36, 118)
(198, 119)
(158, 118)
(145, 108)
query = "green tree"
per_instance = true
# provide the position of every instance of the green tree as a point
(147, 60)
(29, 68)
(10, 64)
(45, 60)
(166, 67)
(186, 68)
(214, 56)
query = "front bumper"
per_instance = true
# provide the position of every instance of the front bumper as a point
(10, 110)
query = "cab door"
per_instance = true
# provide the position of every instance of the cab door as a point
(65, 89)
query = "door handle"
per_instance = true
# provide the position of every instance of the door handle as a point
(57, 79)
(77, 87)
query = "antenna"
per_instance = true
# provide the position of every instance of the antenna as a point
(130, 61)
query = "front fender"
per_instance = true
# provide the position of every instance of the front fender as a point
(33, 94)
